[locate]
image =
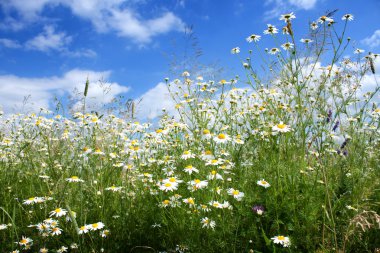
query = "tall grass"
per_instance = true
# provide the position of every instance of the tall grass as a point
(286, 165)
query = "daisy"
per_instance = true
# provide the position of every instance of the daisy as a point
(307, 41)
(206, 134)
(83, 229)
(43, 250)
(313, 26)
(238, 195)
(3, 226)
(358, 51)
(74, 179)
(221, 138)
(187, 155)
(271, 29)
(215, 204)
(56, 231)
(288, 17)
(274, 51)
(97, 226)
(190, 201)
(253, 37)
(287, 46)
(207, 155)
(207, 223)
(348, 17)
(190, 169)
(62, 249)
(235, 50)
(263, 183)
(214, 162)
(214, 175)
(168, 186)
(283, 240)
(104, 233)
(25, 241)
(281, 127)
(198, 184)
(58, 212)
(324, 19)
(114, 188)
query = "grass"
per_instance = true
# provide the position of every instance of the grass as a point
(286, 165)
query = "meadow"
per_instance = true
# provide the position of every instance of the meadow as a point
(281, 161)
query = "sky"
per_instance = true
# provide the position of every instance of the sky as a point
(48, 48)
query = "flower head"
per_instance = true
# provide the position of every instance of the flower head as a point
(287, 17)
(280, 239)
(263, 183)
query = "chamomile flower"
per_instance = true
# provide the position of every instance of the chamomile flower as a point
(288, 17)
(324, 19)
(271, 29)
(282, 240)
(214, 175)
(83, 229)
(187, 155)
(190, 201)
(238, 195)
(96, 226)
(281, 127)
(253, 38)
(208, 223)
(3, 226)
(25, 241)
(287, 46)
(306, 41)
(235, 50)
(348, 17)
(74, 179)
(168, 186)
(104, 233)
(358, 51)
(274, 50)
(313, 26)
(222, 138)
(198, 184)
(190, 169)
(58, 212)
(263, 183)
(56, 231)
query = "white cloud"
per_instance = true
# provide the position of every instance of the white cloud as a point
(49, 40)
(153, 101)
(286, 6)
(9, 43)
(373, 41)
(118, 16)
(13, 89)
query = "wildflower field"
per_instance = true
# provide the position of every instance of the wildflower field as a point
(281, 161)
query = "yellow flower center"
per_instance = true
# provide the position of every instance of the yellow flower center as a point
(95, 225)
(74, 177)
(206, 131)
(281, 126)
(166, 202)
(23, 241)
(213, 172)
(235, 192)
(172, 179)
(221, 136)
(197, 181)
(168, 184)
(263, 182)
(208, 152)
(58, 210)
(281, 238)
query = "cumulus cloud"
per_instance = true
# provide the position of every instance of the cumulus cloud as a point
(49, 40)
(13, 89)
(153, 101)
(373, 40)
(9, 43)
(286, 6)
(117, 16)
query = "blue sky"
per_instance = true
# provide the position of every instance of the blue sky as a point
(49, 47)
